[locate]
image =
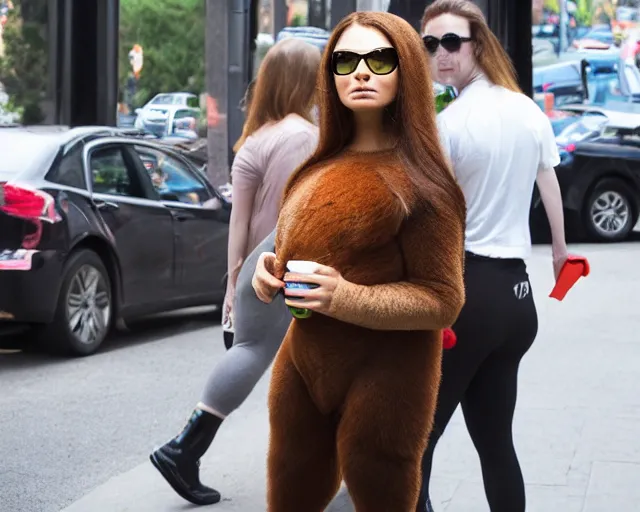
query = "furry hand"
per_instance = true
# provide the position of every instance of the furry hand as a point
(317, 299)
(265, 280)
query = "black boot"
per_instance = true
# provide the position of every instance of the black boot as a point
(179, 460)
(424, 506)
(429, 507)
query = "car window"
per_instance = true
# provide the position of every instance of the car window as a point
(164, 99)
(193, 102)
(567, 73)
(70, 171)
(110, 174)
(172, 179)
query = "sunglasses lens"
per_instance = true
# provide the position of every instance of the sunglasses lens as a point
(431, 44)
(383, 62)
(451, 43)
(344, 63)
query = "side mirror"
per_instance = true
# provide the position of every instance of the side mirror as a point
(138, 111)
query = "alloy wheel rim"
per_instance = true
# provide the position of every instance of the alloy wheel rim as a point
(610, 213)
(88, 305)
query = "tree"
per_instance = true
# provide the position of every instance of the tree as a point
(172, 35)
(552, 5)
(584, 12)
(23, 67)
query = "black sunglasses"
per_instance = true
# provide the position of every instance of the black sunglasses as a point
(380, 61)
(450, 42)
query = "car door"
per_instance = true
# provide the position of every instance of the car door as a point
(201, 219)
(139, 226)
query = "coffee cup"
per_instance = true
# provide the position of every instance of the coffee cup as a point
(301, 267)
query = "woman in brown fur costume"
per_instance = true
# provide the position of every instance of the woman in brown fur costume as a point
(376, 206)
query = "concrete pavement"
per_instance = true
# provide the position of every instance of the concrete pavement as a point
(577, 426)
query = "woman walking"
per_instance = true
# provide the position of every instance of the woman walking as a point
(277, 137)
(500, 143)
(379, 215)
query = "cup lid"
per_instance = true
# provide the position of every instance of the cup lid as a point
(302, 266)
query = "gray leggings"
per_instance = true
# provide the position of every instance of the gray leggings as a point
(259, 331)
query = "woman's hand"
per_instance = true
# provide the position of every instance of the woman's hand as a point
(559, 256)
(265, 281)
(316, 299)
(228, 303)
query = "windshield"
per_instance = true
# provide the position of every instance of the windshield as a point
(24, 152)
(588, 126)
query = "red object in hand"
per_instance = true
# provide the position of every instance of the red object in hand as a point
(573, 269)
(448, 338)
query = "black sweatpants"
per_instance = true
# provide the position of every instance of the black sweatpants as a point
(496, 327)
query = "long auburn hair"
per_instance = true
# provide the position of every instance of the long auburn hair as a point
(285, 84)
(411, 118)
(489, 53)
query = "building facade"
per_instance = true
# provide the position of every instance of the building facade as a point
(77, 62)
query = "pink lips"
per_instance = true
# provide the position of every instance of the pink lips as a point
(361, 91)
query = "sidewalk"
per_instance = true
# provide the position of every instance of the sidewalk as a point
(577, 425)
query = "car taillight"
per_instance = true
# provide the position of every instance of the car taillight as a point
(547, 86)
(26, 203)
(570, 148)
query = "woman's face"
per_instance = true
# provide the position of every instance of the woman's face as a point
(456, 65)
(365, 83)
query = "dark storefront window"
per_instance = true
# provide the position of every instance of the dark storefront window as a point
(161, 78)
(25, 88)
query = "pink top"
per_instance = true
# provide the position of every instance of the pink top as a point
(259, 174)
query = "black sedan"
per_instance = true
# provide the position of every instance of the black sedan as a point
(96, 227)
(599, 176)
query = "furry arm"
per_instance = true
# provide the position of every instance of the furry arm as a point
(432, 296)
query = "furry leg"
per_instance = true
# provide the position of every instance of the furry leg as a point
(302, 470)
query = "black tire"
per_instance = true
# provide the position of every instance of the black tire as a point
(94, 311)
(609, 213)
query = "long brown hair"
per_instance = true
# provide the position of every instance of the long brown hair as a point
(411, 118)
(493, 60)
(286, 84)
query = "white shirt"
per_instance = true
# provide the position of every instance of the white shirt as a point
(497, 141)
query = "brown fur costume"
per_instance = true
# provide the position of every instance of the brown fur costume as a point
(355, 395)
(353, 392)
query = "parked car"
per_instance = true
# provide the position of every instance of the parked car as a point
(90, 235)
(169, 114)
(599, 175)
(564, 80)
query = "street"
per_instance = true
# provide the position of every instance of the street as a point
(76, 434)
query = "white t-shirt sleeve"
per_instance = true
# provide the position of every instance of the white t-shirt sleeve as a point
(549, 156)
(445, 139)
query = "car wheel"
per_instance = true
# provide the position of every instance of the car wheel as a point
(84, 312)
(608, 214)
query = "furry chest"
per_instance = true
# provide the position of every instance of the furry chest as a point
(342, 218)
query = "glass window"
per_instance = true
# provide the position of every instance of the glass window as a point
(26, 92)
(70, 170)
(172, 179)
(161, 63)
(111, 175)
(602, 32)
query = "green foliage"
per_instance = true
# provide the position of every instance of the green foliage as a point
(172, 36)
(584, 12)
(552, 5)
(23, 68)
(298, 20)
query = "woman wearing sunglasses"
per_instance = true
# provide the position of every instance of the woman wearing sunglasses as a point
(500, 143)
(377, 210)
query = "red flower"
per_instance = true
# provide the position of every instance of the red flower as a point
(448, 338)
